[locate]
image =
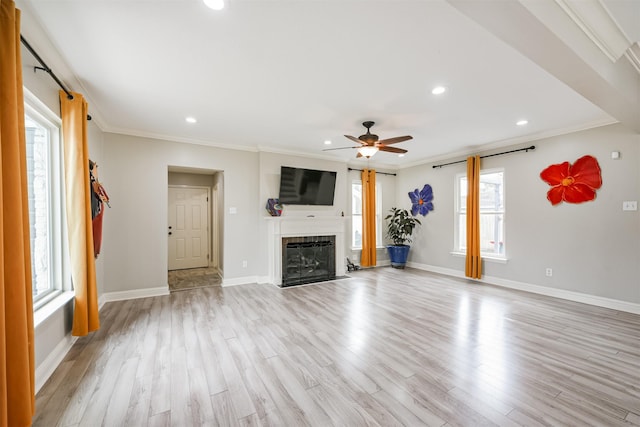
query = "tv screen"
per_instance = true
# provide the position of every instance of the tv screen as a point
(306, 186)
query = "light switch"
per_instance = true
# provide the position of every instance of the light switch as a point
(630, 205)
(233, 210)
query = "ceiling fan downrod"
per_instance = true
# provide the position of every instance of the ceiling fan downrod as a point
(368, 137)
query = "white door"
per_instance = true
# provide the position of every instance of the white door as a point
(188, 228)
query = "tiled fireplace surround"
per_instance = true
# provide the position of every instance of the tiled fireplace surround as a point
(293, 226)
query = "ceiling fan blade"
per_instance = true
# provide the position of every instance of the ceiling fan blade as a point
(354, 139)
(392, 149)
(395, 140)
(338, 148)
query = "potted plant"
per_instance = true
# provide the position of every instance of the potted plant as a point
(399, 230)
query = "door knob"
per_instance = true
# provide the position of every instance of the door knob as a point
(170, 227)
(169, 233)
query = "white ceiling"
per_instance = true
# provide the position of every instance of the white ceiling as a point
(286, 75)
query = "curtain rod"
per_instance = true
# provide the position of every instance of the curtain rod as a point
(533, 147)
(381, 173)
(46, 69)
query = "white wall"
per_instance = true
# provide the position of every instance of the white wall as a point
(593, 247)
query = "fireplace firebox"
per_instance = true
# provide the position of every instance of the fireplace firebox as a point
(308, 259)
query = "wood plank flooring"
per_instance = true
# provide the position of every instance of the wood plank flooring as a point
(385, 347)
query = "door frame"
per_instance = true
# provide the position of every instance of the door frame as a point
(215, 227)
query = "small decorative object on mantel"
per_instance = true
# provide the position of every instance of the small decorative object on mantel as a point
(274, 207)
(421, 201)
(575, 183)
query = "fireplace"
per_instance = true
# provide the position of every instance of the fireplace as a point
(314, 228)
(308, 259)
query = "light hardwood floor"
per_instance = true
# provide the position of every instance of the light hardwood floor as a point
(385, 347)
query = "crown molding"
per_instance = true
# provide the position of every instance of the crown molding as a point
(462, 154)
(594, 19)
(633, 55)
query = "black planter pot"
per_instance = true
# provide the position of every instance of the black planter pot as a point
(398, 255)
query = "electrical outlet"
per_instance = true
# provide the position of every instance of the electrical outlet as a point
(549, 272)
(244, 264)
(630, 205)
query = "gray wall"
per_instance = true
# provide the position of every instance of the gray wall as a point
(269, 184)
(593, 247)
(56, 329)
(135, 243)
(387, 181)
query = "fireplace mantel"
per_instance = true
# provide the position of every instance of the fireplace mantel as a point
(300, 226)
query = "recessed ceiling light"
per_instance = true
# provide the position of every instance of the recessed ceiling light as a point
(190, 120)
(327, 142)
(439, 90)
(215, 4)
(522, 122)
(401, 155)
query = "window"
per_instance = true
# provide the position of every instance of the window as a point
(491, 213)
(45, 201)
(356, 214)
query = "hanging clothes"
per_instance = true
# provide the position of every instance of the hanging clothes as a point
(99, 198)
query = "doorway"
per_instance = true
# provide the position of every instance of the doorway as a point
(194, 196)
(188, 228)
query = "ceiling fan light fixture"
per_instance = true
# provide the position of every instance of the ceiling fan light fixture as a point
(367, 151)
(214, 4)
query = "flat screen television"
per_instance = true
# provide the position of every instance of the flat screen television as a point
(306, 186)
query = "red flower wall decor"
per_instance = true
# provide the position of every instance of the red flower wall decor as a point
(575, 183)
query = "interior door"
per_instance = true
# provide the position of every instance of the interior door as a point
(188, 227)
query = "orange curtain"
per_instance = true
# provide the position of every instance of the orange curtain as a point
(17, 371)
(473, 267)
(79, 224)
(368, 258)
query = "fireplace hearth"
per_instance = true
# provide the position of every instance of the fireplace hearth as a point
(308, 259)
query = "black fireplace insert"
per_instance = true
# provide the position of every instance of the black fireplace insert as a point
(308, 259)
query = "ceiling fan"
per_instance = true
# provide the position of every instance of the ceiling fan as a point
(370, 145)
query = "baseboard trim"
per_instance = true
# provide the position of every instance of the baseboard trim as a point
(132, 294)
(53, 360)
(595, 300)
(239, 281)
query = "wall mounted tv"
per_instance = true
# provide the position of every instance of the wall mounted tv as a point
(306, 186)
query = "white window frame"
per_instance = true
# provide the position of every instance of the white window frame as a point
(354, 215)
(60, 280)
(460, 248)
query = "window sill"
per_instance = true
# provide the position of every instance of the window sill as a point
(489, 258)
(45, 311)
